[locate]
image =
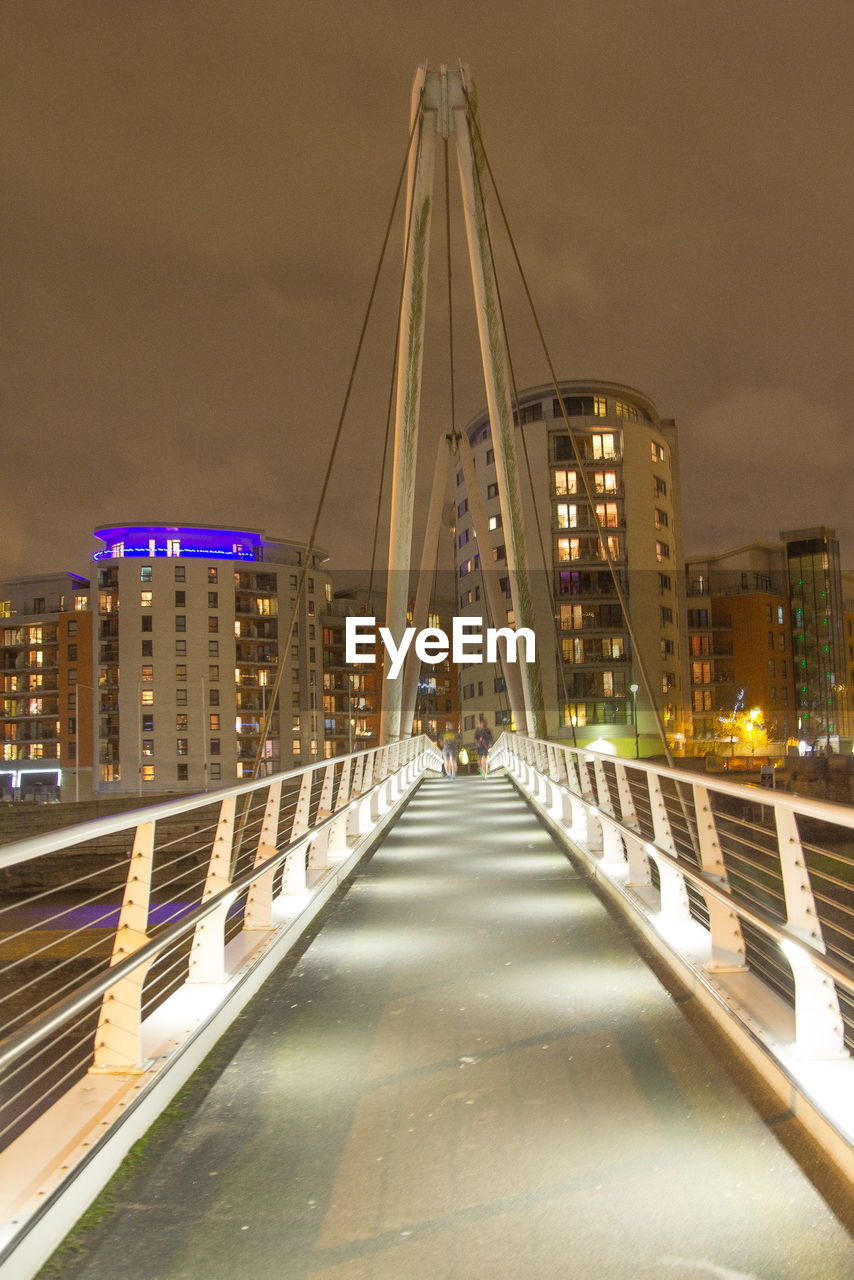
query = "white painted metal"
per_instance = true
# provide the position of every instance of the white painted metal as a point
(117, 1040)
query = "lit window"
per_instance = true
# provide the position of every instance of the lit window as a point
(565, 482)
(117, 550)
(180, 672)
(657, 451)
(181, 746)
(662, 551)
(661, 519)
(604, 446)
(605, 481)
(146, 599)
(146, 673)
(148, 773)
(173, 546)
(495, 522)
(213, 723)
(181, 722)
(608, 514)
(146, 698)
(81, 603)
(148, 746)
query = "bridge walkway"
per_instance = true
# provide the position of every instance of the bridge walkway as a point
(468, 1072)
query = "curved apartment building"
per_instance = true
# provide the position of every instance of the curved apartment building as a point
(587, 661)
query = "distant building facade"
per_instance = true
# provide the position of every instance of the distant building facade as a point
(47, 687)
(767, 628)
(189, 624)
(586, 658)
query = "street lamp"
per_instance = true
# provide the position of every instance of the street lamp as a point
(634, 692)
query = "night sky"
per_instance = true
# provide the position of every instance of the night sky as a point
(195, 195)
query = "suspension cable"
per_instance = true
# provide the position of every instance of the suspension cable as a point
(284, 645)
(585, 482)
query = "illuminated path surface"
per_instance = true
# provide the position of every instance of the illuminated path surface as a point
(469, 1073)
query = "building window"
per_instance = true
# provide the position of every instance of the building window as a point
(662, 551)
(71, 627)
(666, 614)
(180, 622)
(81, 603)
(566, 515)
(214, 697)
(145, 572)
(604, 445)
(213, 723)
(146, 673)
(213, 623)
(180, 672)
(492, 490)
(182, 722)
(463, 538)
(490, 456)
(214, 746)
(213, 574)
(183, 772)
(664, 583)
(701, 700)
(661, 519)
(216, 772)
(180, 599)
(148, 746)
(180, 648)
(660, 487)
(147, 648)
(565, 482)
(72, 653)
(213, 673)
(495, 522)
(148, 773)
(180, 697)
(173, 546)
(146, 622)
(213, 648)
(148, 723)
(462, 508)
(146, 698)
(146, 599)
(182, 746)
(656, 451)
(213, 599)
(180, 573)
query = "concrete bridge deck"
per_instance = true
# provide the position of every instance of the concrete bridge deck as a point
(469, 1072)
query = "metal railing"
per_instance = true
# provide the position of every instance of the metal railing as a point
(101, 923)
(768, 877)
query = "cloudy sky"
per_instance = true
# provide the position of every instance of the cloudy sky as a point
(195, 194)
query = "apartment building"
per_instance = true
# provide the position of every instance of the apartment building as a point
(47, 687)
(190, 620)
(589, 667)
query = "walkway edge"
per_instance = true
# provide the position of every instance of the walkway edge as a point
(129, 1105)
(745, 1040)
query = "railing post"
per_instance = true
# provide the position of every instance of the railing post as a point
(259, 900)
(818, 1022)
(612, 842)
(118, 1038)
(294, 874)
(207, 954)
(324, 804)
(675, 906)
(728, 950)
(343, 793)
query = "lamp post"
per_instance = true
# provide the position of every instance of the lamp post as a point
(634, 692)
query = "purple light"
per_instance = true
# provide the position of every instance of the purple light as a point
(177, 541)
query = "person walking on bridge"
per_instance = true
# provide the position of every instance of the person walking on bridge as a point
(482, 743)
(450, 749)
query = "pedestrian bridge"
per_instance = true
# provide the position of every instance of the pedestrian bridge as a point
(587, 1017)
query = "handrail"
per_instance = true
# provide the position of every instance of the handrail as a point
(572, 784)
